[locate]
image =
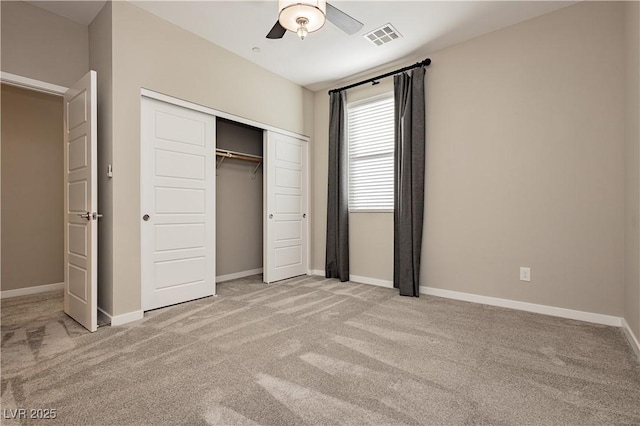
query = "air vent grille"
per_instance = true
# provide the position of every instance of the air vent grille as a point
(383, 35)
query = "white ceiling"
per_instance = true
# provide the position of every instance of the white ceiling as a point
(329, 55)
(81, 12)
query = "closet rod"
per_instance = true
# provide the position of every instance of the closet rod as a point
(238, 156)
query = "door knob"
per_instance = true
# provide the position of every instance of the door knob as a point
(304, 215)
(270, 216)
(145, 217)
(86, 215)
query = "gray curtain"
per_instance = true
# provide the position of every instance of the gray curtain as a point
(409, 180)
(337, 256)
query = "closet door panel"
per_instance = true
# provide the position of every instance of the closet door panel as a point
(286, 178)
(286, 221)
(288, 204)
(180, 165)
(177, 128)
(288, 256)
(180, 237)
(180, 201)
(288, 230)
(178, 204)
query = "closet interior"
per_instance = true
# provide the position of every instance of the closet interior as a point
(239, 200)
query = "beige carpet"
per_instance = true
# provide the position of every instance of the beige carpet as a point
(316, 351)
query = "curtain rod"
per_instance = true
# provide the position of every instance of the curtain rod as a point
(426, 63)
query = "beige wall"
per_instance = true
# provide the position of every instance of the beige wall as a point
(525, 157)
(32, 189)
(154, 54)
(370, 234)
(525, 164)
(100, 60)
(238, 201)
(43, 46)
(632, 156)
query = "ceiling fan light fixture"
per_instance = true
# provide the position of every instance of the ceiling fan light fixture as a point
(302, 28)
(302, 17)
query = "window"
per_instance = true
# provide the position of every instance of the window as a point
(370, 137)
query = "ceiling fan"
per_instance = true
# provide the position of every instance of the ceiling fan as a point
(306, 16)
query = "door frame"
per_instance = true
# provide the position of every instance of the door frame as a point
(29, 83)
(33, 84)
(265, 127)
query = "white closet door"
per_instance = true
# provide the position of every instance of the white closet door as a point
(178, 204)
(286, 222)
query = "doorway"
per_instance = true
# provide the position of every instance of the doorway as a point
(239, 204)
(32, 191)
(77, 192)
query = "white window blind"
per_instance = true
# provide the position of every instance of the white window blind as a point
(370, 137)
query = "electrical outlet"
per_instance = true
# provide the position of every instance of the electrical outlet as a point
(525, 274)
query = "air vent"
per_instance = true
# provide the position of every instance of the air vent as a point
(383, 35)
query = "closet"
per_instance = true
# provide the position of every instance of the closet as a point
(222, 197)
(239, 200)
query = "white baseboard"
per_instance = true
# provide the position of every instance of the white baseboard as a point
(126, 318)
(31, 290)
(357, 279)
(236, 275)
(511, 304)
(371, 281)
(633, 339)
(524, 306)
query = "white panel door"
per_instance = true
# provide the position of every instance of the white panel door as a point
(177, 179)
(286, 222)
(81, 202)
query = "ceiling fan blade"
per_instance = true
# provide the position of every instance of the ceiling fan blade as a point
(277, 31)
(343, 21)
